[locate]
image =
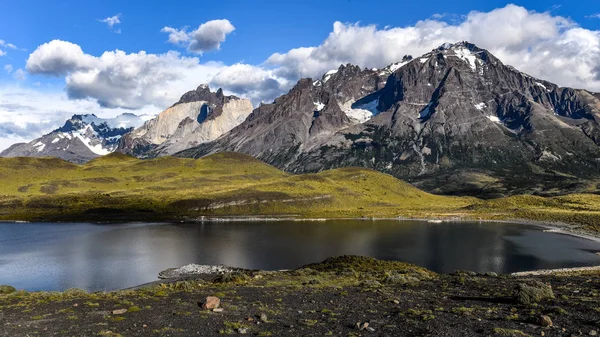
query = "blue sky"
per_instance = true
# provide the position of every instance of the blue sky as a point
(51, 52)
(262, 27)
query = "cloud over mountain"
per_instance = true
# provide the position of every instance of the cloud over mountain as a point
(547, 46)
(542, 44)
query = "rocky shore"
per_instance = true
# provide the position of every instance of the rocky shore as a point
(343, 296)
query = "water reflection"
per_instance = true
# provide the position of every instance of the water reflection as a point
(105, 257)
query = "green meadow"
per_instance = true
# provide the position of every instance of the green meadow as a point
(122, 188)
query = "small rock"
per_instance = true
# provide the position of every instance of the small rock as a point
(75, 305)
(242, 331)
(396, 302)
(370, 329)
(593, 333)
(544, 321)
(250, 319)
(491, 274)
(362, 325)
(217, 310)
(145, 326)
(211, 302)
(542, 334)
(264, 318)
(119, 311)
(598, 253)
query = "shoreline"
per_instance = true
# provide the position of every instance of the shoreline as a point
(554, 227)
(559, 227)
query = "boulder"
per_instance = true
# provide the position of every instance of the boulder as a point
(533, 292)
(211, 302)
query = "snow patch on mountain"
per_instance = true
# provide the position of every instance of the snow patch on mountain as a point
(494, 119)
(364, 112)
(319, 106)
(328, 74)
(467, 56)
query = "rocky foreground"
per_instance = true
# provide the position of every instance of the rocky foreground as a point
(343, 296)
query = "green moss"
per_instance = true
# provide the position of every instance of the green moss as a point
(510, 333)
(463, 310)
(4, 289)
(533, 292)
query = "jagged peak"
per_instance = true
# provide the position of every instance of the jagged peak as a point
(458, 45)
(203, 93)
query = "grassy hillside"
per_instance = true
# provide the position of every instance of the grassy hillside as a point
(119, 187)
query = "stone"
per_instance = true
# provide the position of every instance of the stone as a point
(396, 302)
(593, 333)
(242, 331)
(119, 311)
(211, 302)
(264, 318)
(217, 310)
(544, 321)
(362, 325)
(533, 292)
(491, 274)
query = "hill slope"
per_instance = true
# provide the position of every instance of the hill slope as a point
(118, 187)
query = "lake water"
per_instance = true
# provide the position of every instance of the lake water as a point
(58, 256)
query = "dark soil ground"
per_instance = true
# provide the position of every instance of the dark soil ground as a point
(333, 298)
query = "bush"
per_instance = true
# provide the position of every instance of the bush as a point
(4, 289)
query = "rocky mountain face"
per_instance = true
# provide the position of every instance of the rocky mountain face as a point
(455, 120)
(199, 116)
(81, 138)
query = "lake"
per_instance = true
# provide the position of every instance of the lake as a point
(97, 257)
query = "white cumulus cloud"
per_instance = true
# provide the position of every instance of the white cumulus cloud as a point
(8, 68)
(207, 37)
(112, 21)
(119, 79)
(249, 81)
(544, 45)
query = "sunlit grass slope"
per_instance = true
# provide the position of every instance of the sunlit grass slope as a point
(119, 187)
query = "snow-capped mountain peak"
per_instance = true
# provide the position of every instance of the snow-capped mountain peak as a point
(81, 138)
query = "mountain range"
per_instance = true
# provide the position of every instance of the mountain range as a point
(455, 120)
